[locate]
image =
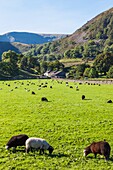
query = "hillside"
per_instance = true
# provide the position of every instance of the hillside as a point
(95, 36)
(29, 38)
(17, 47)
(98, 28)
(88, 52)
(22, 41)
(5, 46)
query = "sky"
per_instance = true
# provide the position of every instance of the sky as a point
(49, 16)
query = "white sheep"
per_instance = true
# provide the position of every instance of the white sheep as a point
(38, 144)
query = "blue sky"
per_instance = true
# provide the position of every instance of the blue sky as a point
(49, 16)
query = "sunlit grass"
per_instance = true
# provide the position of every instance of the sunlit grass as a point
(67, 122)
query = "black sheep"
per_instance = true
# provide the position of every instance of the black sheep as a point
(109, 101)
(44, 99)
(83, 97)
(32, 92)
(15, 141)
(101, 147)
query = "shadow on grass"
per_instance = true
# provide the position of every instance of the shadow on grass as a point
(15, 151)
(59, 155)
(87, 99)
(99, 158)
(20, 150)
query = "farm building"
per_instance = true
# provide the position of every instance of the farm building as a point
(57, 74)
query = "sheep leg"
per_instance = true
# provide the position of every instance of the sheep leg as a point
(95, 155)
(106, 157)
(41, 151)
(27, 150)
(14, 149)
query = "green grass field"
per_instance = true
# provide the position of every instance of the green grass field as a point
(67, 122)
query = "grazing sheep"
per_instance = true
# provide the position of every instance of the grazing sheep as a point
(109, 101)
(77, 89)
(101, 147)
(38, 144)
(32, 92)
(15, 141)
(46, 82)
(83, 97)
(44, 99)
(44, 86)
(71, 87)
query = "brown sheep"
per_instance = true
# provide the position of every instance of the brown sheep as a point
(101, 147)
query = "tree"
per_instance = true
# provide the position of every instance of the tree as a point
(110, 72)
(108, 49)
(11, 58)
(91, 49)
(80, 70)
(68, 54)
(44, 66)
(103, 62)
(51, 57)
(93, 73)
(86, 72)
(23, 63)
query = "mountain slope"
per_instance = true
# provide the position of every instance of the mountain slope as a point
(99, 30)
(100, 27)
(29, 38)
(5, 46)
(17, 47)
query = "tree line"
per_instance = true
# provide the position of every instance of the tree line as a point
(12, 63)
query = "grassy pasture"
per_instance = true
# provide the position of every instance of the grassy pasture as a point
(67, 122)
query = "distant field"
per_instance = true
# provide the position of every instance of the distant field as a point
(76, 61)
(67, 122)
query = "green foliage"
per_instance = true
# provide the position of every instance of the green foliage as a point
(45, 49)
(93, 73)
(10, 56)
(90, 72)
(91, 49)
(12, 62)
(103, 62)
(80, 69)
(86, 72)
(110, 72)
(10, 65)
(50, 66)
(67, 122)
(108, 49)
